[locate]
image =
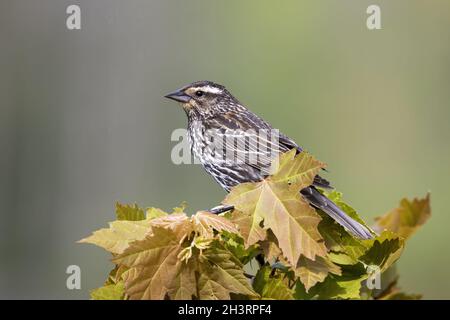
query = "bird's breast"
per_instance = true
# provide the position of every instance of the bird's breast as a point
(197, 139)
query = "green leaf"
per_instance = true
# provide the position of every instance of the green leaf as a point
(351, 289)
(342, 245)
(385, 250)
(129, 212)
(300, 292)
(235, 244)
(271, 287)
(336, 197)
(380, 253)
(109, 292)
(335, 288)
(341, 258)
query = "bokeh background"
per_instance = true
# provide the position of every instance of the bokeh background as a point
(83, 123)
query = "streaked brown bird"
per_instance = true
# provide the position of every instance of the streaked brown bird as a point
(220, 126)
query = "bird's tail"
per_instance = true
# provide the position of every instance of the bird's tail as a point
(318, 200)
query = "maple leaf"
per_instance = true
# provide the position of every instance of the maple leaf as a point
(152, 262)
(331, 288)
(291, 219)
(179, 223)
(129, 212)
(249, 227)
(109, 292)
(277, 204)
(221, 274)
(160, 255)
(204, 223)
(234, 243)
(183, 286)
(115, 275)
(383, 251)
(340, 289)
(270, 287)
(298, 171)
(156, 271)
(343, 248)
(336, 197)
(153, 213)
(311, 272)
(407, 218)
(270, 248)
(119, 235)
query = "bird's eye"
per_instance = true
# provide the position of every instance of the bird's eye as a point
(199, 93)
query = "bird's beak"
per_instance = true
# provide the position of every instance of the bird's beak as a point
(178, 96)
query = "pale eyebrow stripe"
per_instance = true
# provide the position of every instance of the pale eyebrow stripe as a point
(209, 89)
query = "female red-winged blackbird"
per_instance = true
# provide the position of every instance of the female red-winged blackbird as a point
(234, 145)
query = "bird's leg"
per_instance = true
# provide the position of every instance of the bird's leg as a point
(221, 209)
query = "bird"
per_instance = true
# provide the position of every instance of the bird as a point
(216, 119)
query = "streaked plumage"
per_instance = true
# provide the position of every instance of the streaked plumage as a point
(213, 113)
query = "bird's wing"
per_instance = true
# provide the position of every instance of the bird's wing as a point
(249, 140)
(252, 141)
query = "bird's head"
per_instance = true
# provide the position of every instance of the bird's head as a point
(203, 98)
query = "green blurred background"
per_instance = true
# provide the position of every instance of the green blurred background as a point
(83, 123)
